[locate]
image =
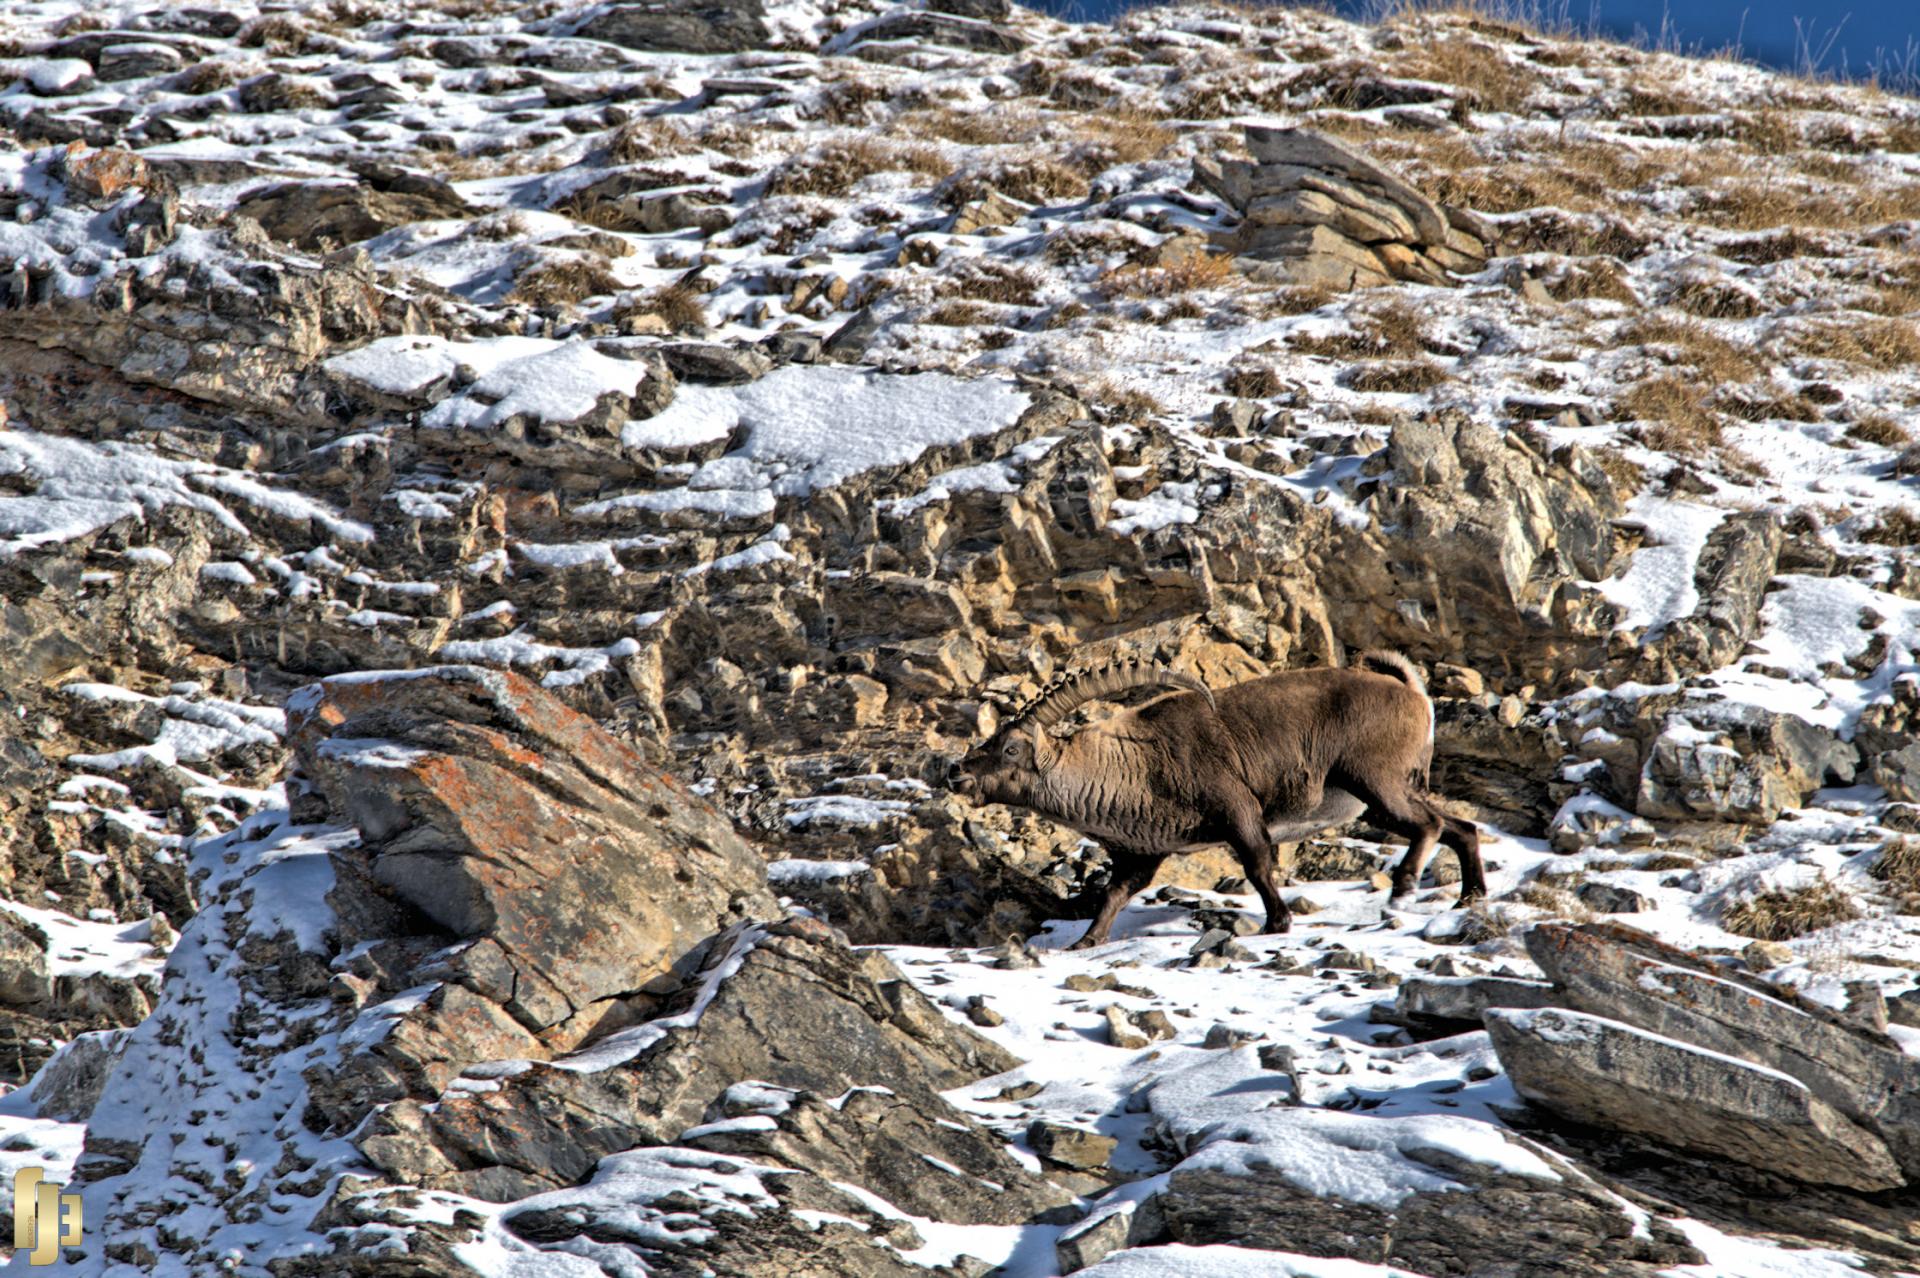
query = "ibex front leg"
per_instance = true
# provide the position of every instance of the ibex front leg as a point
(1253, 846)
(1129, 874)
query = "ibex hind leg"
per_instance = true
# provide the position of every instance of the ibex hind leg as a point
(1129, 874)
(1399, 811)
(1464, 838)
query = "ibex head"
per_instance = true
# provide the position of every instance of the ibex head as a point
(1011, 766)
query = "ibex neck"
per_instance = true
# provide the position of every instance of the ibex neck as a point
(1095, 786)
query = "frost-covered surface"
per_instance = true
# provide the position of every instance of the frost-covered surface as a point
(75, 488)
(810, 428)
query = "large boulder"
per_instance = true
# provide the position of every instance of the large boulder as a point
(1861, 1074)
(544, 1125)
(680, 26)
(1478, 552)
(1688, 754)
(1609, 1074)
(502, 960)
(583, 879)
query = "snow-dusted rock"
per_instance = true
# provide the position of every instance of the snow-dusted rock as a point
(683, 26)
(1429, 1193)
(69, 1085)
(1461, 999)
(1607, 1073)
(538, 1125)
(578, 875)
(1838, 1066)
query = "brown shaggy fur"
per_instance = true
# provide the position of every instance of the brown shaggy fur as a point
(1280, 758)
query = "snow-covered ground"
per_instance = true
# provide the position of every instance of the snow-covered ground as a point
(1748, 236)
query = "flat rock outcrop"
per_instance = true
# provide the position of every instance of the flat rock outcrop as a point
(1314, 210)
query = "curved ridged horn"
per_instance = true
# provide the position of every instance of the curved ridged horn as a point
(1069, 694)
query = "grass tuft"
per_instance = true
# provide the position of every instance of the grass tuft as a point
(1897, 865)
(1780, 914)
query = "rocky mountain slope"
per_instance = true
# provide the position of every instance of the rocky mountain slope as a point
(724, 414)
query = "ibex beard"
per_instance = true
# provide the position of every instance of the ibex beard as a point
(1267, 761)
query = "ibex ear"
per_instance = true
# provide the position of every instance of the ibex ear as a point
(1044, 752)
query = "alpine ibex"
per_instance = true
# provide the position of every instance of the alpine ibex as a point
(1263, 762)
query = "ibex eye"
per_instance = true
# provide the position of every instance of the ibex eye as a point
(1011, 749)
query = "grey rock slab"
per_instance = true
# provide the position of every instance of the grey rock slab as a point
(1267, 181)
(683, 1214)
(1606, 1073)
(1311, 208)
(1070, 1146)
(1609, 898)
(937, 28)
(712, 362)
(1898, 772)
(25, 977)
(548, 1125)
(681, 26)
(69, 1084)
(932, 1163)
(1612, 971)
(1488, 1223)
(1279, 241)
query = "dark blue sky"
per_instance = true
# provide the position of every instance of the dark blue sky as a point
(1870, 33)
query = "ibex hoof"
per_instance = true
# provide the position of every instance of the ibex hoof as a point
(1400, 901)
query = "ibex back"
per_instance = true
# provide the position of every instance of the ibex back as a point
(1266, 761)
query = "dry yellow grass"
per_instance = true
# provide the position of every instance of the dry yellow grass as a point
(1252, 381)
(564, 282)
(1297, 299)
(998, 127)
(1177, 279)
(1400, 377)
(1881, 430)
(846, 101)
(1390, 330)
(1673, 413)
(1121, 135)
(1898, 526)
(1715, 299)
(1492, 81)
(997, 282)
(1554, 901)
(1114, 402)
(681, 307)
(1774, 200)
(1897, 866)
(1780, 914)
(1627, 475)
(1032, 177)
(959, 314)
(1692, 343)
(645, 139)
(1652, 100)
(836, 167)
(1600, 277)
(1876, 343)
